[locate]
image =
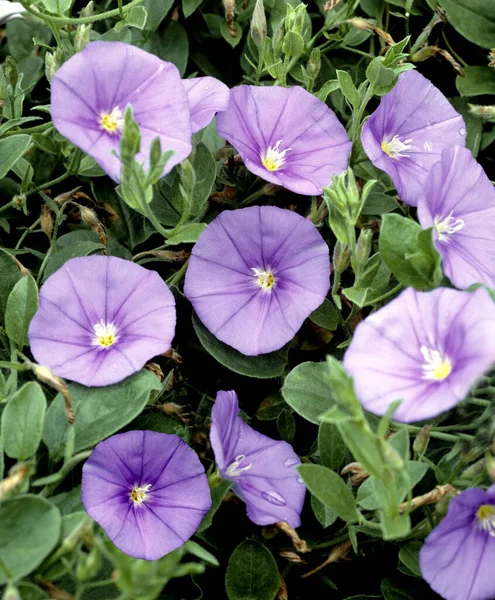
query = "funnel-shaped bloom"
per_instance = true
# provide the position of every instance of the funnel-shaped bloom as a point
(100, 318)
(425, 348)
(406, 134)
(286, 136)
(262, 469)
(255, 275)
(459, 202)
(90, 92)
(148, 491)
(458, 556)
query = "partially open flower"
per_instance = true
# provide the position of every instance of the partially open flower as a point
(100, 319)
(286, 136)
(425, 348)
(255, 275)
(261, 469)
(406, 134)
(458, 556)
(459, 202)
(148, 491)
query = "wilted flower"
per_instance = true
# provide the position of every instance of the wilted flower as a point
(262, 469)
(254, 276)
(90, 92)
(286, 136)
(425, 348)
(457, 557)
(148, 491)
(10, 10)
(406, 134)
(206, 97)
(459, 202)
(100, 318)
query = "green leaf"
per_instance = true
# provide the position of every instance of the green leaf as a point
(57, 7)
(252, 573)
(477, 81)
(224, 30)
(326, 316)
(473, 19)
(100, 412)
(11, 150)
(189, 6)
(409, 253)
(218, 493)
(9, 276)
(330, 489)
(286, 425)
(474, 125)
(326, 516)
(331, 446)
(29, 591)
(409, 555)
(30, 530)
(20, 34)
(395, 527)
(327, 88)
(22, 303)
(137, 17)
(306, 390)
(69, 246)
(157, 11)
(271, 407)
(205, 169)
(22, 421)
(264, 366)
(348, 88)
(170, 44)
(378, 203)
(187, 234)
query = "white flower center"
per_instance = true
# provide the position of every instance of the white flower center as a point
(274, 158)
(235, 469)
(105, 334)
(395, 148)
(486, 518)
(112, 122)
(139, 493)
(436, 366)
(264, 279)
(447, 226)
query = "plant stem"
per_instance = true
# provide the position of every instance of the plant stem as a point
(81, 20)
(72, 169)
(64, 471)
(391, 292)
(175, 279)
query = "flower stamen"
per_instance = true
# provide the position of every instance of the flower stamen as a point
(395, 148)
(486, 518)
(437, 366)
(264, 279)
(105, 334)
(139, 493)
(274, 158)
(447, 226)
(112, 122)
(235, 469)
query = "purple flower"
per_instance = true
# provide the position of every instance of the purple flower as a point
(254, 276)
(206, 96)
(262, 469)
(90, 92)
(425, 348)
(147, 490)
(458, 556)
(100, 318)
(286, 136)
(406, 134)
(459, 202)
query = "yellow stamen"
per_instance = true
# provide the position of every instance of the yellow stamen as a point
(105, 334)
(485, 511)
(274, 158)
(264, 279)
(139, 494)
(112, 122)
(436, 366)
(395, 148)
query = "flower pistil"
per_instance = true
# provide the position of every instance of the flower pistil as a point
(274, 158)
(395, 148)
(436, 366)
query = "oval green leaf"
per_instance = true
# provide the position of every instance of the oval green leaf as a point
(252, 573)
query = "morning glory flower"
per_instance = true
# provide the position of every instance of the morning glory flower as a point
(147, 490)
(255, 275)
(406, 134)
(286, 136)
(427, 349)
(261, 469)
(100, 318)
(90, 92)
(459, 202)
(457, 557)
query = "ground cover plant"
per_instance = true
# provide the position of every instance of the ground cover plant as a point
(247, 299)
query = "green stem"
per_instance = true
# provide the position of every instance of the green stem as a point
(393, 291)
(259, 68)
(64, 471)
(27, 232)
(72, 169)
(425, 34)
(121, 10)
(37, 129)
(81, 20)
(175, 279)
(10, 204)
(435, 434)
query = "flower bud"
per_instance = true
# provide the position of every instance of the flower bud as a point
(188, 176)
(475, 470)
(483, 112)
(341, 256)
(363, 250)
(422, 440)
(53, 61)
(11, 593)
(258, 24)
(293, 44)
(314, 64)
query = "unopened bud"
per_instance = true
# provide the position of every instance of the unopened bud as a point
(19, 201)
(278, 39)
(11, 593)
(53, 61)
(258, 24)
(422, 440)
(423, 54)
(88, 10)
(82, 36)
(314, 63)
(11, 71)
(491, 58)
(490, 466)
(360, 23)
(188, 176)
(486, 113)
(341, 256)
(293, 44)
(363, 250)
(392, 457)
(475, 470)
(47, 220)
